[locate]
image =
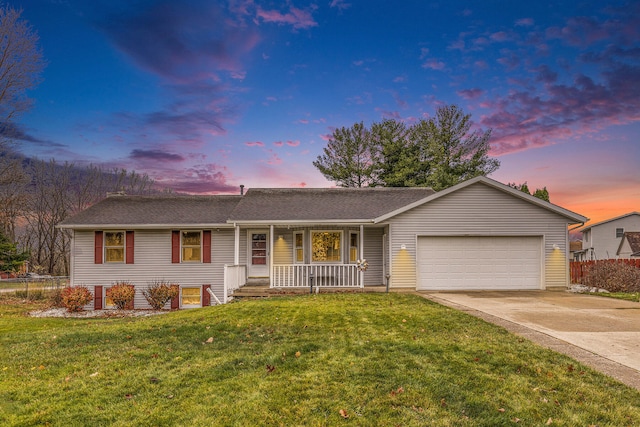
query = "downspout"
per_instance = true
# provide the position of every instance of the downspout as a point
(577, 226)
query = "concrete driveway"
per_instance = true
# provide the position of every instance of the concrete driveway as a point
(601, 332)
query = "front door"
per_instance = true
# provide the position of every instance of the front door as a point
(258, 256)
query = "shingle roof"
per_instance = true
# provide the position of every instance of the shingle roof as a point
(323, 204)
(156, 210)
(257, 205)
(589, 226)
(633, 237)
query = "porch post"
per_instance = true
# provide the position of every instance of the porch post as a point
(361, 255)
(271, 255)
(236, 245)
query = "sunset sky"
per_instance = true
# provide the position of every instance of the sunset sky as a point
(206, 95)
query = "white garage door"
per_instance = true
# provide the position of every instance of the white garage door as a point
(466, 263)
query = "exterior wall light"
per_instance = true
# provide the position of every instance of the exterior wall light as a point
(556, 247)
(403, 247)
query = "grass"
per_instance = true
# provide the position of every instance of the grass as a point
(346, 359)
(628, 296)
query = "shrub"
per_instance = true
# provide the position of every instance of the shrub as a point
(122, 294)
(73, 298)
(159, 292)
(613, 277)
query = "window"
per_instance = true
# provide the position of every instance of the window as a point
(353, 247)
(190, 243)
(619, 232)
(298, 241)
(325, 246)
(191, 297)
(258, 249)
(114, 246)
(108, 302)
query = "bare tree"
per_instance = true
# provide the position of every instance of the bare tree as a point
(21, 63)
(13, 194)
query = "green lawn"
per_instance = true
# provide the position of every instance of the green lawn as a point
(342, 359)
(628, 296)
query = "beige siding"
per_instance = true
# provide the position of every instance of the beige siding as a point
(478, 210)
(152, 262)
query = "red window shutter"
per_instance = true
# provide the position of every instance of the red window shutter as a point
(97, 297)
(175, 302)
(129, 305)
(98, 248)
(206, 298)
(175, 248)
(129, 247)
(206, 247)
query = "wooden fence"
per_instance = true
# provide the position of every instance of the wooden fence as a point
(579, 268)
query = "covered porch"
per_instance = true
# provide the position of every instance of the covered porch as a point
(307, 256)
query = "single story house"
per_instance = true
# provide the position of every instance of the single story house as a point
(479, 234)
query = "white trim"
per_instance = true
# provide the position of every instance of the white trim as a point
(296, 247)
(104, 246)
(609, 220)
(182, 260)
(144, 226)
(236, 246)
(340, 261)
(358, 247)
(190, 305)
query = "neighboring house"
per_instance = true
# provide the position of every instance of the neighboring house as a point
(575, 249)
(603, 239)
(479, 234)
(629, 245)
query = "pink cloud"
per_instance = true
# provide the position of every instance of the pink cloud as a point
(297, 18)
(470, 93)
(254, 144)
(500, 36)
(273, 159)
(524, 22)
(278, 143)
(293, 143)
(339, 4)
(536, 116)
(433, 64)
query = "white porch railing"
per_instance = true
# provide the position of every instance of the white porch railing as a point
(301, 275)
(234, 277)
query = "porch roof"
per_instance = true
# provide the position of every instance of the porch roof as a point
(323, 205)
(155, 211)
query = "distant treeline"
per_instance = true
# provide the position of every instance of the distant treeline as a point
(36, 195)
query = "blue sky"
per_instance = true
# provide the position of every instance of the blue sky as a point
(207, 95)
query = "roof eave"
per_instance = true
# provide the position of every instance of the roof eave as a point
(301, 222)
(142, 226)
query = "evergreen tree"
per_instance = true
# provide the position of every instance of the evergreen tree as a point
(10, 258)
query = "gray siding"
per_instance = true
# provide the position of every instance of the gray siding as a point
(478, 210)
(603, 238)
(373, 254)
(152, 261)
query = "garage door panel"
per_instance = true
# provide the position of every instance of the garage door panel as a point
(463, 263)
